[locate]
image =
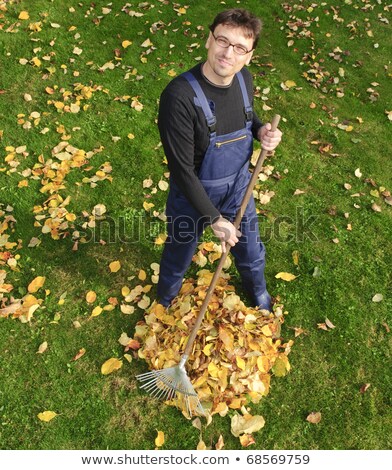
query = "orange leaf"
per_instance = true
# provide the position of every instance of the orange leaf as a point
(36, 284)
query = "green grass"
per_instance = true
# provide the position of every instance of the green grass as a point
(328, 367)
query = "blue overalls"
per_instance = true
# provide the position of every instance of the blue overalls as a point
(225, 175)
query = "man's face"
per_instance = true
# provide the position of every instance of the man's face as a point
(223, 63)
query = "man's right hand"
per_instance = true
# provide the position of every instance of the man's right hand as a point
(226, 232)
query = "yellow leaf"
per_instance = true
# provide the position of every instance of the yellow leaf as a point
(213, 370)
(241, 363)
(172, 73)
(36, 284)
(110, 366)
(295, 255)
(266, 330)
(142, 275)
(263, 364)
(23, 15)
(201, 445)
(97, 311)
(160, 240)
(125, 291)
(286, 276)
(36, 61)
(126, 44)
(148, 205)
(91, 297)
(46, 416)
(160, 439)
(290, 83)
(114, 266)
(207, 349)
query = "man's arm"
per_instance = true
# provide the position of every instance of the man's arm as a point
(176, 127)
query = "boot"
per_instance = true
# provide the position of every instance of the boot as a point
(263, 301)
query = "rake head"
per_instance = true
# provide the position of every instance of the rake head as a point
(172, 384)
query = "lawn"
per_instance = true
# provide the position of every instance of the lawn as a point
(81, 165)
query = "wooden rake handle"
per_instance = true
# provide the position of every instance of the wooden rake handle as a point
(236, 223)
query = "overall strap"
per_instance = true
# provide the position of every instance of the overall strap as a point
(210, 118)
(248, 110)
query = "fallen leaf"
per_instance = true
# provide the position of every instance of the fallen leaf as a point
(364, 388)
(160, 439)
(358, 173)
(220, 444)
(377, 298)
(295, 255)
(329, 324)
(201, 445)
(110, 366)
(297, 192)
(24, 15)
(96, 311)
(314, 417)
(42, 347)
(114, 266)
(286, 276)
(148, 205)
(91, 297)
(246, 424)
(36, 284)
(246, 440)
(46, 416)
(81, 353)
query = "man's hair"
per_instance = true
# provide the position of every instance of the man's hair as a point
(240, 18)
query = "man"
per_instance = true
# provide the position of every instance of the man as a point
(207, 126)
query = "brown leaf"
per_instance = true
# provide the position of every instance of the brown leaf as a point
(42, 348)
(81, 353)
(364, 388)
(314, 417)
(246, 440)
(220, 444)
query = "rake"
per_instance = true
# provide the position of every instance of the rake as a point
(173, 382)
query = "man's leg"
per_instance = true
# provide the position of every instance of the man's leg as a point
(249, 256)
(183, 235)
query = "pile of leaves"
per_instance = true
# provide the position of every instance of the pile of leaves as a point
(235, 352)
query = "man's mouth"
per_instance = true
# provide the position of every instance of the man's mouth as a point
(224, 62)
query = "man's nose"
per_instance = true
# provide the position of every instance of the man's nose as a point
(229, 51)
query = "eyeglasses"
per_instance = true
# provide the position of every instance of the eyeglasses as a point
(225, 43)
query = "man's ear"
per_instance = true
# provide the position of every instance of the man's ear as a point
(249, 58)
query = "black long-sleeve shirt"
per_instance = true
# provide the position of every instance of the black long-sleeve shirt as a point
(184, 132)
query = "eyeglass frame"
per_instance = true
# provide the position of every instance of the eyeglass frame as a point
(230, 44)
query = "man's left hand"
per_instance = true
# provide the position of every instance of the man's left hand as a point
(269, 139)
